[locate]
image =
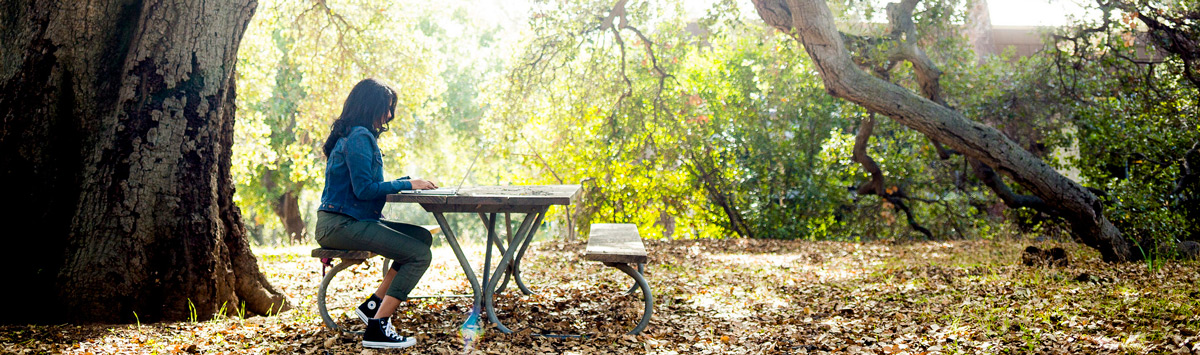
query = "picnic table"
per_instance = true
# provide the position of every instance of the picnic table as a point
(488, 202)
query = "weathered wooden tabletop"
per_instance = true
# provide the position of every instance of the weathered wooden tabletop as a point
(494, 198)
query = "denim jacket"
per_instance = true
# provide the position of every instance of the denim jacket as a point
(354, 183)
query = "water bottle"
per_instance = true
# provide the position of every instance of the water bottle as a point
(470, 330)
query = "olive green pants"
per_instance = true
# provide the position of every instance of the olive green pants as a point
(406, 244)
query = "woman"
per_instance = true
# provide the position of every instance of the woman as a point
(350, 218)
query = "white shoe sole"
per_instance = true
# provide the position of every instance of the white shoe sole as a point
(388, 344)
(361, 315)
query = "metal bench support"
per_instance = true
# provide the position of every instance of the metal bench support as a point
(345, 263)
(347, 259)
(647, 296)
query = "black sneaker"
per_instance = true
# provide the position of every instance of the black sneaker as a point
(367, 310)
(381, 335)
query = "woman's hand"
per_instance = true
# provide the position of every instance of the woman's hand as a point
(421, 184)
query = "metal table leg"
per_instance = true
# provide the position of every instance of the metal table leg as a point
(516, 266)
(493, 240)
(462, 259)
(509, 255)
(489, 222)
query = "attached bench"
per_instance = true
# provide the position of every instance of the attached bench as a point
(618, 246)
(348, 258)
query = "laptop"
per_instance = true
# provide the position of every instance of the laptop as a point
(447, 191)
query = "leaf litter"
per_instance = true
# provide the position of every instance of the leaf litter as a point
(717, 297)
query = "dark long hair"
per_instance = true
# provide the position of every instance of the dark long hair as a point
(368, 100)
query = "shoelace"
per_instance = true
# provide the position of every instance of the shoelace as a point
(391, 332)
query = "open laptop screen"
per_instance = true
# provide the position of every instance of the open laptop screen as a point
(448, 191)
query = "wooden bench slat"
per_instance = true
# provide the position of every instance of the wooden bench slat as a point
(615, 243)
(341, 254)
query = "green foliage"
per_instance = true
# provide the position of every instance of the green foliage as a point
(725, 130)
(1135, 111)
(297, 62)
(191, 311)
(753, 123)
(555, 120)
(1135, 155)
(284, 158)
(1101, 105)
(701, 127)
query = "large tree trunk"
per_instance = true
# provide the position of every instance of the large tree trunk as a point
(117, 130)
(811, 23)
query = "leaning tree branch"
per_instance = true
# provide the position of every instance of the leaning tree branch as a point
(859, 155)
(618, 12)
(1011, 199)
(875, 186)
(912, 222)
(662, 74)
(811, 23)
(902, 40)
(928, 77)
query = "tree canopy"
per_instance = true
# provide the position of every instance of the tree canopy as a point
(720, 124)
(774, 119)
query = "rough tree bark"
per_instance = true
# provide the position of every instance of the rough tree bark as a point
(811, 23)
(117, 129)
